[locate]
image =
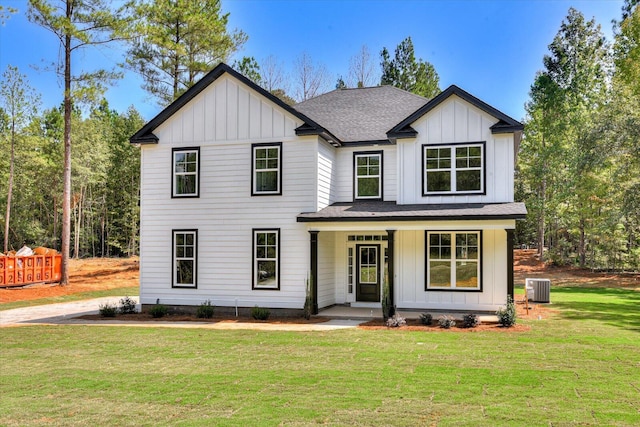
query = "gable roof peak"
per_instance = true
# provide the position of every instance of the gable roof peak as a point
(146, 136)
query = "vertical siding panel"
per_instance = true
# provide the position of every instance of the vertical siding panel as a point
(255, 117)
(267, 120)
(461, 123)
(198, 119)
(221, 111)
(448, 121)
(210, 115)
(434, 126)
(278, 124)
(243, 113)
(232, 110)
(475, 126)
(289, 127)
(187, 124)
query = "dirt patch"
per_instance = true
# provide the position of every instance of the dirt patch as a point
(527, 265)
(85, 275)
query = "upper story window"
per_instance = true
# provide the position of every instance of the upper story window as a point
(186, 172)
(368, 175)
(266, 160)
(453, 169)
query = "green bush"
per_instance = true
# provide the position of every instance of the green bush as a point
(426, 319)
(127, 305)
(260, 313)
(158, 311)
(308, 301)
(108, 310)
(205, 310)
(470, 320)
(507, 315)
(446, 322)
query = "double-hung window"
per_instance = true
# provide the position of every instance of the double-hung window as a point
(186, 171)
(453, 169)
(368, 175)
(266, 178)
(266, 259)
(453, 260)
(185, 251)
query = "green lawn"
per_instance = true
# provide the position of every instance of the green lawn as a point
(129, 291)
(579, 368)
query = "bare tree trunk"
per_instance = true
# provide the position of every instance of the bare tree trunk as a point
(541, 220)
(66, 192)
(582, 253)
(10, 191)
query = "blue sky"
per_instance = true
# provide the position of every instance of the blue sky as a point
(491, 49)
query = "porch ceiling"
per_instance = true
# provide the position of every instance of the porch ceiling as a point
(390, 211)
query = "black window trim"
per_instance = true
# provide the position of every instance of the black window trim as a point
(355, 173)
(173, 258)
(426, 263)
(253, 168)
(173, 173)
(253, 259)
(483, 191)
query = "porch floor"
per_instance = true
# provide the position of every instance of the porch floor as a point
(347, 312)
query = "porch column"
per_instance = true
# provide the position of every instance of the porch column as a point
(314, 270)
(390, 250)
(510, 234)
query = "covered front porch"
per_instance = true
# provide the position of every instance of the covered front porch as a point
(432, 259)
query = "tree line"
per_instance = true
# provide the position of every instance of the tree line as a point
(579, 161)
(578, 166)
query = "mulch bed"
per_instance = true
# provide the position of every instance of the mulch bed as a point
(415, 325)
(146, 317)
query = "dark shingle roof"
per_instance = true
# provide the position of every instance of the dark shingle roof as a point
(390, 211)
(363, 114)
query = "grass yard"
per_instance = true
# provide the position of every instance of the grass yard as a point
(579, 367)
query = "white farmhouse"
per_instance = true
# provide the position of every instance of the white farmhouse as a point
(245, 198)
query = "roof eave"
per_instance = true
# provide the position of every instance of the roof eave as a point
(411, 218)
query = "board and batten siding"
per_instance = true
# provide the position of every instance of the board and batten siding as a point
(457, 121)
(224, 120)
(327, 172)
(345, 175)
(411, 275)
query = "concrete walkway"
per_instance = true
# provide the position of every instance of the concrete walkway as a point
(67, 313)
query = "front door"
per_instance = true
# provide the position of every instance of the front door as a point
(368, 277)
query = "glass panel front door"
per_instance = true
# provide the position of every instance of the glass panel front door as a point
(368, 273)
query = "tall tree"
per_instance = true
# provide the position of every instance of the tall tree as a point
(310, 79)
(20, 103)
(407, 73)
(177, 42)
(362, 69)
(77, 24)
(248, 67)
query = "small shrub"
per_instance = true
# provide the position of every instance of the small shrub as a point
(205, 310)
(396, 321)
(426, 319)
(260, 313)
(507, 315)
(470, 320)
(108, 310)
(127, 306)
(446, 322)
(158, 311)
